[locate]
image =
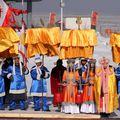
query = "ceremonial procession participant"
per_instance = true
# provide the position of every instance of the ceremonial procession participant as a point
(2, 87)
(117, 73)
(105, 88)
(81, 70)
(7, 62)
(39, 74)
(70, 77)
(56, 79)
(16, 74)
(88, 105)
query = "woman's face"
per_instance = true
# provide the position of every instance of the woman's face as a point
(83, 62)
(92, 65)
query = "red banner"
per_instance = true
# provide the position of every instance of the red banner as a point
(52, 18)
(94, 16)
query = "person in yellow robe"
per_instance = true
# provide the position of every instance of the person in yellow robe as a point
(70, 77)
(105, 88)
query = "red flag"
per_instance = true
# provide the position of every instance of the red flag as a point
(22, 49)
(94, 16)
(52, 18)
(7, 18)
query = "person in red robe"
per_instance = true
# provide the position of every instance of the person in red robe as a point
(56, 79)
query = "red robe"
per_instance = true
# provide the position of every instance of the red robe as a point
(55, 79)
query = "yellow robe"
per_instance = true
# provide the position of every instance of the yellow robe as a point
(112, 102)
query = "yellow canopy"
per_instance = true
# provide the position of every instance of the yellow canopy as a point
(78, 38)
(43, 41)
(78, 43)
(115, 39)
(43, 35)
(115, 43)
(8, 42)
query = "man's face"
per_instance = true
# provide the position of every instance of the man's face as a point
(83, 62)
(38, 64)
(17, 60)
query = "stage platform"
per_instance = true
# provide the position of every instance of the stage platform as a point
(45, 115)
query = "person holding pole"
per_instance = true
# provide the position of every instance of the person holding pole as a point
(16, 74)
(39, 74)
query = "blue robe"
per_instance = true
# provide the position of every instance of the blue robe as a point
(117, 71)
(2, 91)
(18, 84)
(81, 71)
(2, 86)
(39, 85)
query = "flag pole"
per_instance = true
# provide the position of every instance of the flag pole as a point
(62, 6)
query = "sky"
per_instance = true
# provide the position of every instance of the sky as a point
(77, 7)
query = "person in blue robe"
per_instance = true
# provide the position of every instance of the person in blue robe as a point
(117, 73)
(39, 74)
(83, 63)
(16, 74)
(2, 87)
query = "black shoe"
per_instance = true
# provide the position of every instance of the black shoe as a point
(10, 109)
(57, 110)
(47, 110)
(104, 115)
(36, 109)
(2, 108)
(24, 109)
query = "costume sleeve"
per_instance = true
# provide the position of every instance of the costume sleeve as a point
(47, 73)
(4, 72)
(115, 93)
(9, 71)
(64, 76)
(34, 75)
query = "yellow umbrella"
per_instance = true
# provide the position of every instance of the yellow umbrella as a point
(43, 41)
(8, 42)
(77, 43)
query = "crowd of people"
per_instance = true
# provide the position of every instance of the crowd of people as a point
(87, 88)
(77, 88)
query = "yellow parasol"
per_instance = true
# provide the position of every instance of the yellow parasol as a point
(78, 43)
(43, 41)
(115, 43)
(8, 42)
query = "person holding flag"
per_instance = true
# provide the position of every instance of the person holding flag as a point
(39, 74)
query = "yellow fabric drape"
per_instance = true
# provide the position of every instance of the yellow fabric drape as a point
(115, 43)
(43, 41)
(8, 42)
(77, 43)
